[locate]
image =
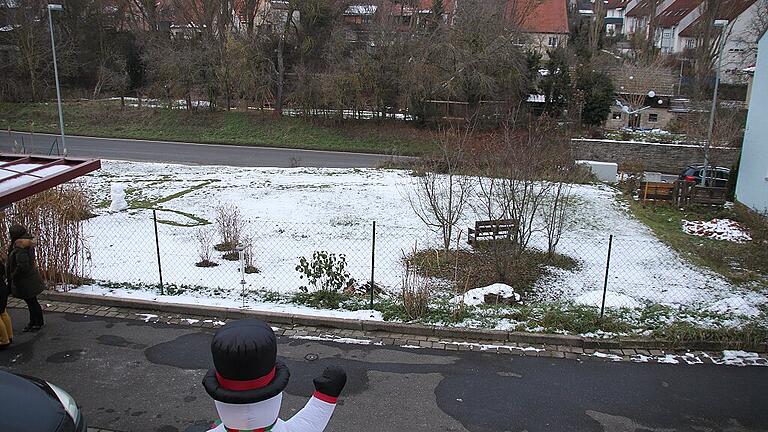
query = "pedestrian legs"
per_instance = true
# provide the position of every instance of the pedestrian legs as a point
(35, 314)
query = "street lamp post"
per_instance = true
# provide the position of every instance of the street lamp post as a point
(58, 8)
(723, 24)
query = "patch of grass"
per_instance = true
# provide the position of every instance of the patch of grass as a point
(224, 247)
(568, 317)
(270, 296)
(206, 263)
(325, 299)
(749, 334)
(196, 220)
(181, 193)
(231, 256)
(488, 264)
(741, 264)
(107, 119)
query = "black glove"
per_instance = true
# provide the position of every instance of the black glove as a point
(331, 382)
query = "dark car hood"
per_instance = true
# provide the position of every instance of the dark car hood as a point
(26, 407)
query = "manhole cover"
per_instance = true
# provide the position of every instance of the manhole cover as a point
(311, 357)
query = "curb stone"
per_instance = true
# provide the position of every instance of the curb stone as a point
(500, 336)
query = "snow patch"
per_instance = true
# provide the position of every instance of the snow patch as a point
(476, 296)
(667, 359)
(612, 357)
(735, 306)
(344, 340)
(717, 229)
(147, 316)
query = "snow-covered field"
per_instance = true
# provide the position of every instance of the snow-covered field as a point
(293, 212)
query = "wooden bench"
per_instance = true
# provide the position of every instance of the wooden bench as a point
(657, 191)
(490, 230)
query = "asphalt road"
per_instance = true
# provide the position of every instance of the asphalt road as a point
(133, 376)
(190, 153)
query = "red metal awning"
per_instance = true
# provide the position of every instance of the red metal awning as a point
(22, 176)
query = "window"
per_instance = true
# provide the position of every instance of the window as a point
(689, 44)
(653, 118)
(616, 115)
(553, 41)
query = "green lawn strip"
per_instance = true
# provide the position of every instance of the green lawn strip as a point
(138, 201)
(198, 221)
(741, 264)
(107, 119)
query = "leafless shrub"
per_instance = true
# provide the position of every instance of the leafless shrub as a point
(229, 222)
(204, 237)
(248, 255)
(440, 199)
(415, 290)
(531, 158)
(54, 218)
(556, 213)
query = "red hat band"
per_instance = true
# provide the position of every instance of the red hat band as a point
(253, 384)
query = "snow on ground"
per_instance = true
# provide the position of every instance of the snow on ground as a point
(225, 302)
(476, 296)
(293, 212)
(717, 229)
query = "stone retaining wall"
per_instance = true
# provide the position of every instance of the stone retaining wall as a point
(665, 158)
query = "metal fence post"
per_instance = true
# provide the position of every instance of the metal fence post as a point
(373, 261)
(607, 269)
(157, 248)
(241, 255)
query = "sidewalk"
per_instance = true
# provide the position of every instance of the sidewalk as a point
(410, 341)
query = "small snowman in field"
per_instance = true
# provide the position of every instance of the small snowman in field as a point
(118, 198)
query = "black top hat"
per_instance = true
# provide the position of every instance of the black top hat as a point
(246, 369)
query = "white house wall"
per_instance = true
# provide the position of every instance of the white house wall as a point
(752, 185)
(629, 22)
(739, 49)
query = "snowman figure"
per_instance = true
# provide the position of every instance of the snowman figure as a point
(247, 383)
(117, 192)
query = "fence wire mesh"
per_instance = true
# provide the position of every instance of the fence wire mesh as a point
(607, 271)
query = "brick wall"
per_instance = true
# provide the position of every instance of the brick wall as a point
(666, 158)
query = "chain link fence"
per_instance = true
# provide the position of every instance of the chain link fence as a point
(607, 272)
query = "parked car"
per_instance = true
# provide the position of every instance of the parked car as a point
(29, 404)
(716, 176)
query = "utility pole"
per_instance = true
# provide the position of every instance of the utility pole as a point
(58, 8)
(723, 24)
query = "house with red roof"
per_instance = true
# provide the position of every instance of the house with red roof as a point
(545, 22)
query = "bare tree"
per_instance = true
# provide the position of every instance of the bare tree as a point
(532, 159)
(439, 195)
(556, 213)
(597, 26)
